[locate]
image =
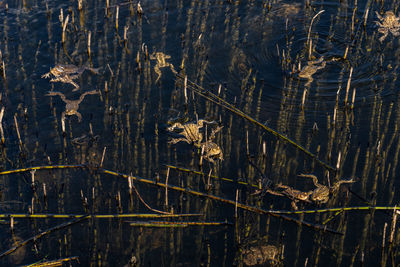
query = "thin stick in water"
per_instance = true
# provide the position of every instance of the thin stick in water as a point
(185, 89)
(1, 125)
(64, 28)
(102, 157)
(88, 43)
(348, 86)
(309, 31)
(353, 98)
(166, 189)
(18, 134)
(116, 17)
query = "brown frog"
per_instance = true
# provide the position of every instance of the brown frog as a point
(68, 73)
(321, 193)
(291, 193)
(388, 23)
(312, 67)
(211, 150)
(190, 131)
(161, 63)
(72, 106)
(260, 255)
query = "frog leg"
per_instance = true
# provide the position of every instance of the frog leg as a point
(158, 71)
(293, 204)
(174, 126)
(78, 115)
(383, 37)
(209, 159)
(313, 177)
(177, 140)
(93, 92)
(172, 68)
(46, 75)
(336, 186)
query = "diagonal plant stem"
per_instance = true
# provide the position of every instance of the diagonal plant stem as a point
(48, 231)
(221, 102)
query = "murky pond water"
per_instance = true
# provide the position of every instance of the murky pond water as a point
(323, 75)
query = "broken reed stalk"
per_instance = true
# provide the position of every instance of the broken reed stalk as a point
(353, 98)
(116, 17)
(4, 71)
(221, 102)
(18, 134)
(63, 126)
(33, 180)
(108, 8)
(185, 89)
(102, 157)
(208, 186)
(40, 235)
(393, 227)
(166, 190)
(1, 125)
(126, 34)
(64, 28)
(384, 235)
(88, 45)
(309, 43)
(348, 86)
(44, 191)
(338, 160)
(236, 203)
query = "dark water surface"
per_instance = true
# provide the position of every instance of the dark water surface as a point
(253, 49)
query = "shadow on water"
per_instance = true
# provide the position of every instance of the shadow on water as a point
(274, 90)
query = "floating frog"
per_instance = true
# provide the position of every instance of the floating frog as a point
(68, 73)
(260, 255)
(190, 132)
(291, 193)
(161, 63)
(321, 193)
(388, 23)
(72, 106)
(211, 150)
(312, 67)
